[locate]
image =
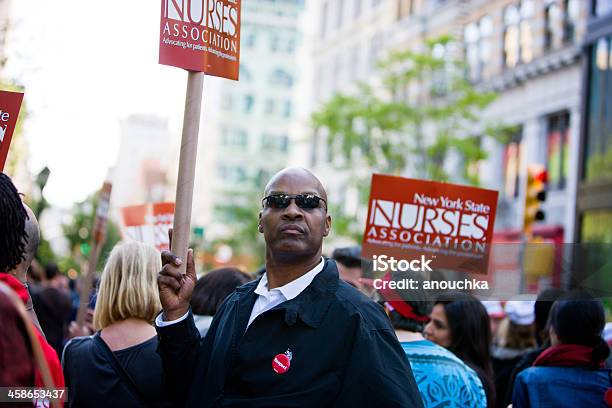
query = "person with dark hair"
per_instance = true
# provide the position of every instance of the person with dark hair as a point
(443, 379)
(298, 336)
(19, 239)
(542, 307)
(13, 237)
(53, 307)
(210, 291)
(460, 323)
(570, 372)
(348, 260)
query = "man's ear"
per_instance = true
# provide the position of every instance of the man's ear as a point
(259, 226)
(328, 222)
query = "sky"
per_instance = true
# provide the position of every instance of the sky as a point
(86, 65)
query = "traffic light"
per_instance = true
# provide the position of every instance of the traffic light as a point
(535, 195)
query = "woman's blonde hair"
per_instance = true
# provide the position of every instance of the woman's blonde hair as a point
(128, 286)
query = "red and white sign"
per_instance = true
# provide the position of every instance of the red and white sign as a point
(448, 223)
(149, 223)
(201, 35)
(10, 103)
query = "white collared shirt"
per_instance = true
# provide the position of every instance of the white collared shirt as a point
(266, 299)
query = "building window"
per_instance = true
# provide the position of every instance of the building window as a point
(557, 158)
(248, 103)
(512, 161)
(274, 43)
(250, 40)
(553, 23)
(231, 173)
(598, 160)
(281, 77)
(441, 77)
(477, 37)
(404, 8)
(560, 18)
(290, 45)
(518, 36)
(571, 17)
(269, 108)
(287, 109)
(602, 7)
(279, 143)
(235, 138)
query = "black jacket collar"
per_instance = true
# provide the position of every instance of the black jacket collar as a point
(309, 306)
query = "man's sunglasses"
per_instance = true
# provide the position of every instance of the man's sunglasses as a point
(304, 201)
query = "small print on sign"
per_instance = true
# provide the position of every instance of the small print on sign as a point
(201, 35)
(408, 218)
(10, 103)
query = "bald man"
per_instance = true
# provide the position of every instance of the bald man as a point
(297, 337)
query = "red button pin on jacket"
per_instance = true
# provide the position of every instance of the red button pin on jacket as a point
(282, 362)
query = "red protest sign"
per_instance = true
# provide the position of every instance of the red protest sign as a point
(10, 103)
(149, 223)
(201, 35)
(450, 224)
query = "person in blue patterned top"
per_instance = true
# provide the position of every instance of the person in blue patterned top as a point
(442, 378)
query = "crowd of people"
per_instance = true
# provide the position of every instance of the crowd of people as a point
(309, 331)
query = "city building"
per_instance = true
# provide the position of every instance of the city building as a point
(144, 161)
(245, 130)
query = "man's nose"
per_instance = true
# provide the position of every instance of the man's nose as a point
(293, 211)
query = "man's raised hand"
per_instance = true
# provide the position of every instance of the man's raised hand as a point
(175, 289)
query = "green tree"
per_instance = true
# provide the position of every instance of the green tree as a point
(377, 129)
(78, 233)
(240, 215)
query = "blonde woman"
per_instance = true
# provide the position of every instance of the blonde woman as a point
(118, 365)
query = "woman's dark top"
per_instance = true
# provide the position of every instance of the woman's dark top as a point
(92, 380)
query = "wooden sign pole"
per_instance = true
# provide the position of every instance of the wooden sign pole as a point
(187, 163)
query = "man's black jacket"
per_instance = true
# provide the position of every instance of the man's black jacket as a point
(344, 353)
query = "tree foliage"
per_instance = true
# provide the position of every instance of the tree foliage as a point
(79, 235)
(240, 216)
